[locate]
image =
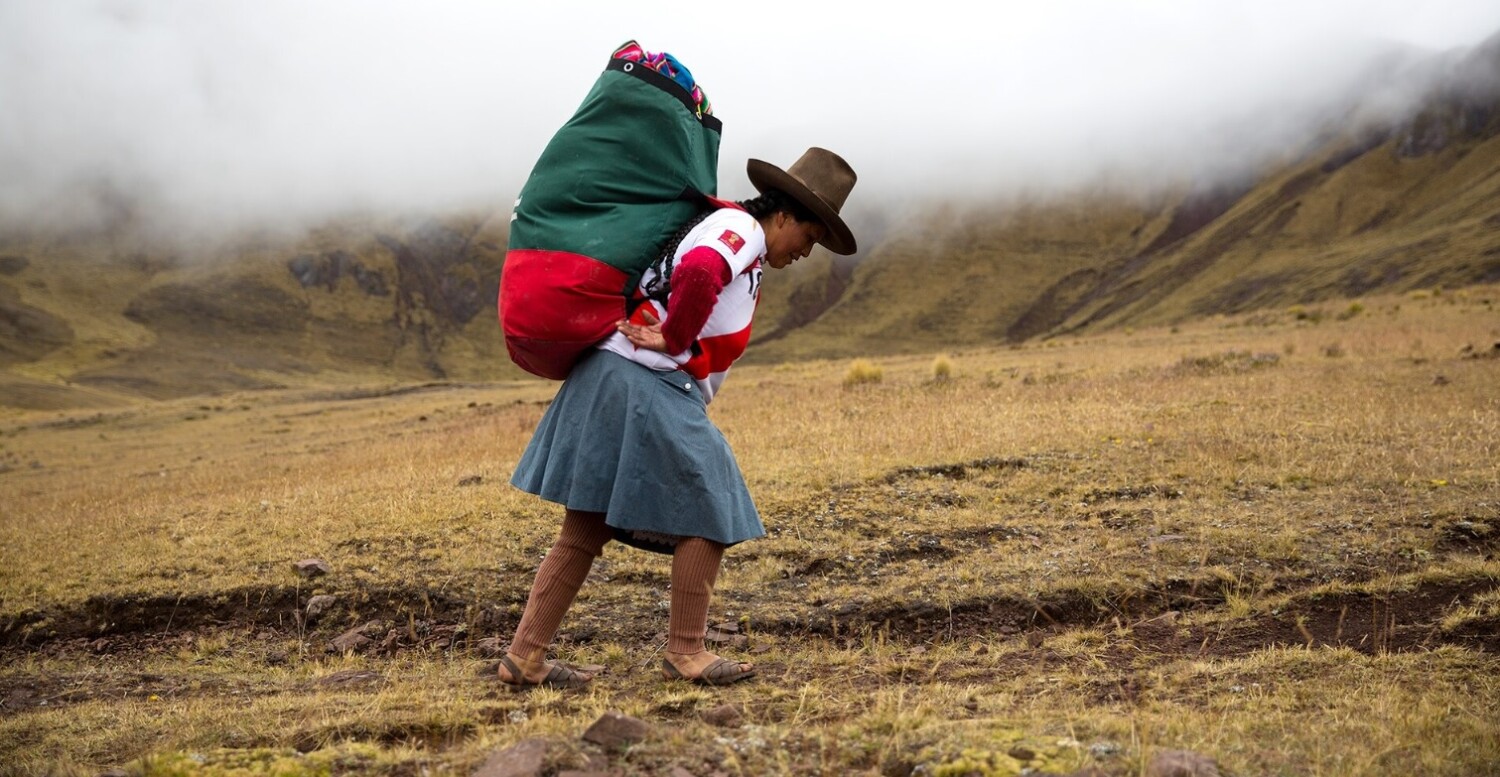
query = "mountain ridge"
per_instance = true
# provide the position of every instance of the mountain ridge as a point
(102, 317)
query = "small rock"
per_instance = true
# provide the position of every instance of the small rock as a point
(1181, 763)
(918, 650)
(730, 628)
(1440, 380)
(761, 649)
(353, 639)
(614, 730)
(724, 716)
(1021, 753)
(589, 668)
(352, 678)
(1035, 639)
(471, 480)
(526, 758)
(1104, 749)
(720, 638)
(312, 567)
(319, 604)
(99, 645)
(277, 657)
(490, 647)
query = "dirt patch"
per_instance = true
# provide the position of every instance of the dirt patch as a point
(1132, 492)
(22, 693)
(1393, 622)
(275, 607)
(381, 393)
(959, 471)
(1147, 630)
(1471, 534)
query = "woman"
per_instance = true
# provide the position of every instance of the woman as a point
(627, 446)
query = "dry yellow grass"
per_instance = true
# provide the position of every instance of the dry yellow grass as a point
(1217, 537)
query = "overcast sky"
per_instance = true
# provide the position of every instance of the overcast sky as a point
(241, 113)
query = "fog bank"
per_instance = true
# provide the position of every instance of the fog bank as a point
(198, 117)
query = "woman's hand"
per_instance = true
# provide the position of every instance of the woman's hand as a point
(648, 337)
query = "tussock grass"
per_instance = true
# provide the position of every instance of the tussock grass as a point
(1081, 551)
(862, 371)
(942, 369)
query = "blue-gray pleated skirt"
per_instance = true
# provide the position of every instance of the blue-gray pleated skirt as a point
(637, 445)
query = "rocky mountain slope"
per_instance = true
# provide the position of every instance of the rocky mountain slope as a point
(1413, 203)
(91, 319)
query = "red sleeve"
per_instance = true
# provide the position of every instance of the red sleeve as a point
(696, 282)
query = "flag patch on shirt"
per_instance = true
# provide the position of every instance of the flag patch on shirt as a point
(733, 240)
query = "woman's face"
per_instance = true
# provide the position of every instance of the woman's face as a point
(788, 239)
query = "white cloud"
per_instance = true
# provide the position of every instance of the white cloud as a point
(244, 113)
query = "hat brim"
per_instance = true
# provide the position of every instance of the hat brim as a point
(838, 238)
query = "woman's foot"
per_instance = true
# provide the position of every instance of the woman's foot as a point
(705, 668)
(519, 672)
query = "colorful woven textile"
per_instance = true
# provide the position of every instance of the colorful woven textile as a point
(667, 65)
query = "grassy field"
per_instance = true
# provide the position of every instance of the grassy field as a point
(1268, 539)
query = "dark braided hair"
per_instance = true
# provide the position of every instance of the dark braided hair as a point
(770, 201)
(773, 201)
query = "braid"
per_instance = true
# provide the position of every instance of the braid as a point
(674, 242)
(660, 285)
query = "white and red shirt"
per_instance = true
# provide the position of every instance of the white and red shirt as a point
(737, 237)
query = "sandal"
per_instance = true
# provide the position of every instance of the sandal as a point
(559, 677)
(721, 672)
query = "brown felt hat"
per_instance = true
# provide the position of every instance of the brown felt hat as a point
(820, 180)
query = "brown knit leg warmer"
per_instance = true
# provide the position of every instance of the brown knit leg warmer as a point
(695, 567)
(558, 579)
